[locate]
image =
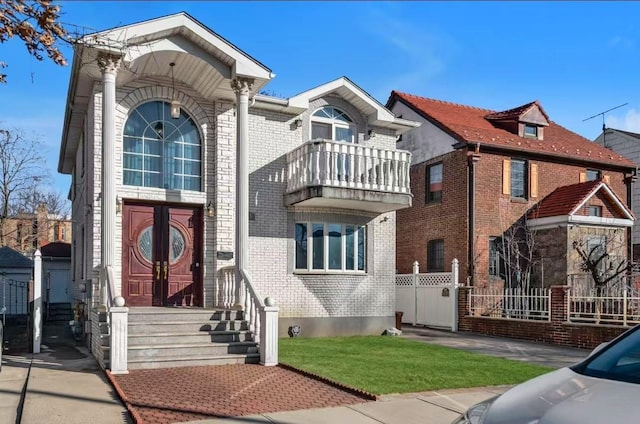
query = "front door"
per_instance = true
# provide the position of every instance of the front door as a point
(161, 249)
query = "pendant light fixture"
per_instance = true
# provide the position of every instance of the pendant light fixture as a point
(175, 104)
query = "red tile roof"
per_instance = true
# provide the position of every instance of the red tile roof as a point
(563, 200)
(516, 112)
(469, 124)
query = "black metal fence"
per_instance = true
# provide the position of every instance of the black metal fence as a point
(15, 313)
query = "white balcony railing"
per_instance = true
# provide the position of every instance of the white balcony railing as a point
(341, 164)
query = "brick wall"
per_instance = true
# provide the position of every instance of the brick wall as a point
(556, 331)
(445, 220)
(495, 212)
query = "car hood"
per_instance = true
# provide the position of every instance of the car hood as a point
(566, 397)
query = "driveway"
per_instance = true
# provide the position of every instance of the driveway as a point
(518, 350)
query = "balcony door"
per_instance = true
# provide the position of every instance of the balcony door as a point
(161, 249)
(331, 123)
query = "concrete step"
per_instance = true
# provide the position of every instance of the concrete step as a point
(189, 337)
(182, 314)
(147, 327)
(153, 352)
(180, 361)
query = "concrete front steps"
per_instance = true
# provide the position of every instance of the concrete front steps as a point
(179, 337)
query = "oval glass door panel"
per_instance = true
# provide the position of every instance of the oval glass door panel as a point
(145, 243)
(177, 244)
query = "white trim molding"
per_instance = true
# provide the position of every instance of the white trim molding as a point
(565, 220)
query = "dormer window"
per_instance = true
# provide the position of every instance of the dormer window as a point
(530, 130)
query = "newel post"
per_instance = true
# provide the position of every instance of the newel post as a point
(119, 317)
(416, 272)
(269, 333)
(37, 301)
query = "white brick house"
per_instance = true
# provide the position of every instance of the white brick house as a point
(209, 195)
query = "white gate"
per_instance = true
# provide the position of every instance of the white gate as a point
(429, 299)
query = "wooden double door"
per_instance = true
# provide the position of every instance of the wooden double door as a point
(162, 255)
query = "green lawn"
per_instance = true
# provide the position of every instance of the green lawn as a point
(381, 365)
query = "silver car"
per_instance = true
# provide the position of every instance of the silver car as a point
(604, 388)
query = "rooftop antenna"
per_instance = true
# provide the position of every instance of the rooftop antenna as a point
(603, 125)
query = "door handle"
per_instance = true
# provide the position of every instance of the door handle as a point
(166, 269)
(157, 270)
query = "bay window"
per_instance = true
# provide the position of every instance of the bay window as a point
(329, 247)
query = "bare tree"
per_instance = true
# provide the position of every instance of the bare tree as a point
(598, 261)
(598, 257)
(29, 200)
(21, 164)
(36, 23)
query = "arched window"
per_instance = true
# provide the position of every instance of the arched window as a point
(332, 124)
(160, 151)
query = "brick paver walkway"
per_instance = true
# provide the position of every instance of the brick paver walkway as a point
(195, 393)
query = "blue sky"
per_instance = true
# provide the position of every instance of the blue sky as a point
(577, 58)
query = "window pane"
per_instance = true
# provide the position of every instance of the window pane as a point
(192, 183)
(350, 259)
(152, 180)
(132, 145)
(531, 130)
(494, 265)
(435, 256)
(361, 248)
(435, 182)
(319, 130)
(132, 161)
(593, 175)
(132, 178)
(153, 147)
(344, 134)
(192, 152)
(152, 163)
(335, 246)
(318, 246)
(518, 178)
(301, 246)
(191, 167)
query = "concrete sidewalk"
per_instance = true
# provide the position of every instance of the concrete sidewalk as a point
(413, 408)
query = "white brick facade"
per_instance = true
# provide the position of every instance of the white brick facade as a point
(273, 132)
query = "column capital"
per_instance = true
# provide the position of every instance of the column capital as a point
(242, 85)
(109, 63)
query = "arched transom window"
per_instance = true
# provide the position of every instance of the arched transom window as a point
(332, 124)
(160, 151)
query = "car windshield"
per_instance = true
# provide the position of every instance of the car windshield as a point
(618, 361)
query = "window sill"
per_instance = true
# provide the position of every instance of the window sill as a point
(519, 200)
(336, 272)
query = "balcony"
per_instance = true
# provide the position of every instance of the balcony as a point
(330, 174)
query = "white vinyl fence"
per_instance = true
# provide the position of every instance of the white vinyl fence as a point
(512, 303)
(429, 299)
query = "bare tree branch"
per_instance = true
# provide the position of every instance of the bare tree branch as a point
(36, 23)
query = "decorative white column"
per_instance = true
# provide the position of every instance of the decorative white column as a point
(269, 333)
(109, 67)
(37, 301)
(242, 88)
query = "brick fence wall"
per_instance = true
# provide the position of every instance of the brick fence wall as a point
(556, 331)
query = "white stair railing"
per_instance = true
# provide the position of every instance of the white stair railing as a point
(261, 315)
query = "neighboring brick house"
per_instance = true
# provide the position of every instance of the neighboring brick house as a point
(475, 175)
(26, 232)
(626, 143)
(177, 112)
